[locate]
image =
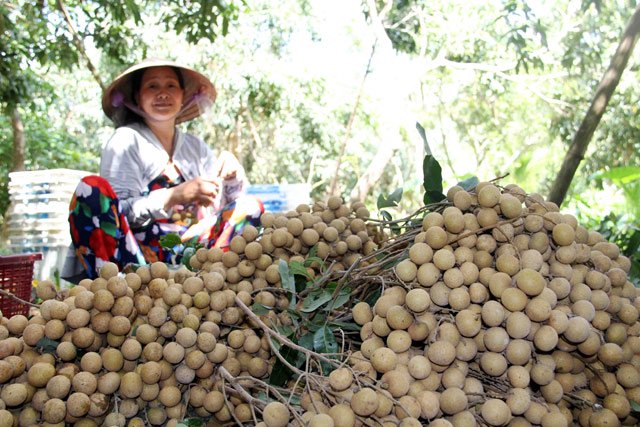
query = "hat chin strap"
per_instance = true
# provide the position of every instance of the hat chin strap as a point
(199, 98)
(118, 101)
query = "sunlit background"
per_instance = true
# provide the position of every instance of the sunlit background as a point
(328, 93)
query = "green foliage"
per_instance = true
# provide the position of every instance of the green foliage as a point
(432, 180)
(311, 309)
(391, 201)
(620, 223)
(486, 103)
(201, 19)
(191, 422)
(47, 345)
(526, 34)
(181, 252)
(402, 24)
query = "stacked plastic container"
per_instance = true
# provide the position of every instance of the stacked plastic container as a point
(38, 215)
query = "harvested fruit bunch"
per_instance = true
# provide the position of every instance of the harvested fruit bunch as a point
(490, 309)
(501, 310)
(159, 345)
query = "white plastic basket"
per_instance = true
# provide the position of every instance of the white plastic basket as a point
(38, 215)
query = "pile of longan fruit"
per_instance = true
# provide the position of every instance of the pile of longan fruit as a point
(142, 348)
(505, 312)
(499, 310)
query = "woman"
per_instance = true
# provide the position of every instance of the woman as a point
(155, 179)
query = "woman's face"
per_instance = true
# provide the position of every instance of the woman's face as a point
(160, 94)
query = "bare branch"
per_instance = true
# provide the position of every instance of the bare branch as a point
(80, 46)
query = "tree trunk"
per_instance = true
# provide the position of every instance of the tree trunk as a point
(603, 94)
(18, 140)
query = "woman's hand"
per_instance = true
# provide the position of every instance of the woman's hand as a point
(198, 190)
(227, 166)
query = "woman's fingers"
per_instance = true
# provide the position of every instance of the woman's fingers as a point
(227, 165)
(208, 187)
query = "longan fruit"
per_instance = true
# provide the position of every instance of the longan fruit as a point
(78, 404)
(362, 313)
(46, 290)
(418, 300)
(108, 270)
(384, 359)
(453, 400)
(563, 234)
(40, 373)
(364, 402)
(406, 270)
(170, 396)
(489, 196)
(58, 387)
(14, 394)
(495, 412)
(54, 411)
(441, 353)
(276, 414)
(340, 379)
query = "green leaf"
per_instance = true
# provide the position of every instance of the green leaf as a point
(635, 406)
(432, 180)
(288, 282)
(373, 297)
(311, 259)
(169, 241)
(275, 344)
(313, 252)
(316, 299)
(469, 183)
(324, 341)
(186, 256)
(386, 216)
(298, 268)
(47, 345)
(259, 309)
(286, 331)
(423, 135)
(306, 341)
(280, 373)
(391, 201)
(633, 244)
(341, 299)
(622, 174)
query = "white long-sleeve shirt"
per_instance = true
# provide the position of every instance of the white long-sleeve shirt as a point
(133, 157)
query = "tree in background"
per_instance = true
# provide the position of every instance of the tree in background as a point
(499, 87)
(604, 92)
(42, 40)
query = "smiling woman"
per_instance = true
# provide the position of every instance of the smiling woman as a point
(155, 179)
(160, 94)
